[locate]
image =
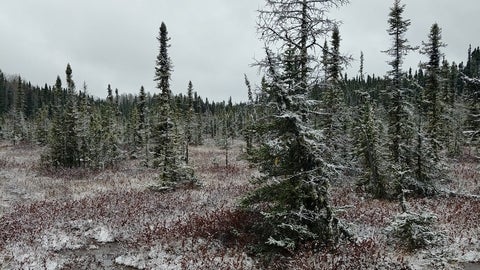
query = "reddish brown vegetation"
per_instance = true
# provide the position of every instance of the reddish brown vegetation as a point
(201, 228)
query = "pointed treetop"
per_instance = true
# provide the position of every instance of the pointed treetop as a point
(249, 89)
(68, 71)
(398, 26)
(361, 73)
(58, 83)
(163, 28)
(334, 63)
(163, 68)
(109, 94)
(432, 47)
(70, 83)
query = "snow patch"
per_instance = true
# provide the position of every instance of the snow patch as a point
(155, 258)
(54, 265)
(470, 256)
(30, 258)
(135, 261)
(103, 234)
(57, 240)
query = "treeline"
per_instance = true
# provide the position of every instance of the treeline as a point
(27, 112)
(106, 130)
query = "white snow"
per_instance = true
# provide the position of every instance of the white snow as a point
(156, 258)
(136, 261)
(103, 235)
(57, 240)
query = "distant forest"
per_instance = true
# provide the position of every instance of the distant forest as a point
(27, 111)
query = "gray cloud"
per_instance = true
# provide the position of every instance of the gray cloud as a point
(213, 42)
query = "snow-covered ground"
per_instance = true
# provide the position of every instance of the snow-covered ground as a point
(76, 219)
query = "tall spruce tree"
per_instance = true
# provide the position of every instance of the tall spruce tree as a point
(72, 157)
(110, 145)
(453, 117)
(188, 120)
(64, 140)
(398, 96)
(293, 192)
(432, 104)
(18, 114)
(56, 138)
(370, 150)
(109, 94)
(333, 95)
(164, 152)
(143, 127)
(249, 118)
(369, 146)
(166, 157)
(84, 111)
(401, 128)
(325, 60)
(361, 73)
(227, 130)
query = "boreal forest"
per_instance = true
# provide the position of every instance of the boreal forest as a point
(319, 168)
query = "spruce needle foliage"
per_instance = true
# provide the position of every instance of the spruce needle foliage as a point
(293, 190)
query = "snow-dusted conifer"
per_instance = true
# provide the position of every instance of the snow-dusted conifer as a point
(18, 114)
(64, 140)
(83, 127)
(414, 230)
(432, 104)
(227, 132)
(333, 99)
(471, 79)
(369, 143)
(248, 131)
(72, 157)
(110, 145)
(188, 121)
(453, 116)
(399, 107)
(165, 152)
(293, 193)
(56, 137)
(142, 130)
(42, 125)
(132, 135)
(426, 165)
(370, 149)
(399, 123)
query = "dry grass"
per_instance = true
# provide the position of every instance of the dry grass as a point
(54, 202)
(79, 219)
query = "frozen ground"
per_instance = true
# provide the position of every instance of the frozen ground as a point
(75, 219)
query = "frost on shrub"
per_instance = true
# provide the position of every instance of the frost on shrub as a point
(182, 176)
(414, 230)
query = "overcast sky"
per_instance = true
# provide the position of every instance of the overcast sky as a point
(213, 42)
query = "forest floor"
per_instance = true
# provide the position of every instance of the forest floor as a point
(109, 219)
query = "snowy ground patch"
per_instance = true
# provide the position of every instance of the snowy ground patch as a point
(109, 220)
